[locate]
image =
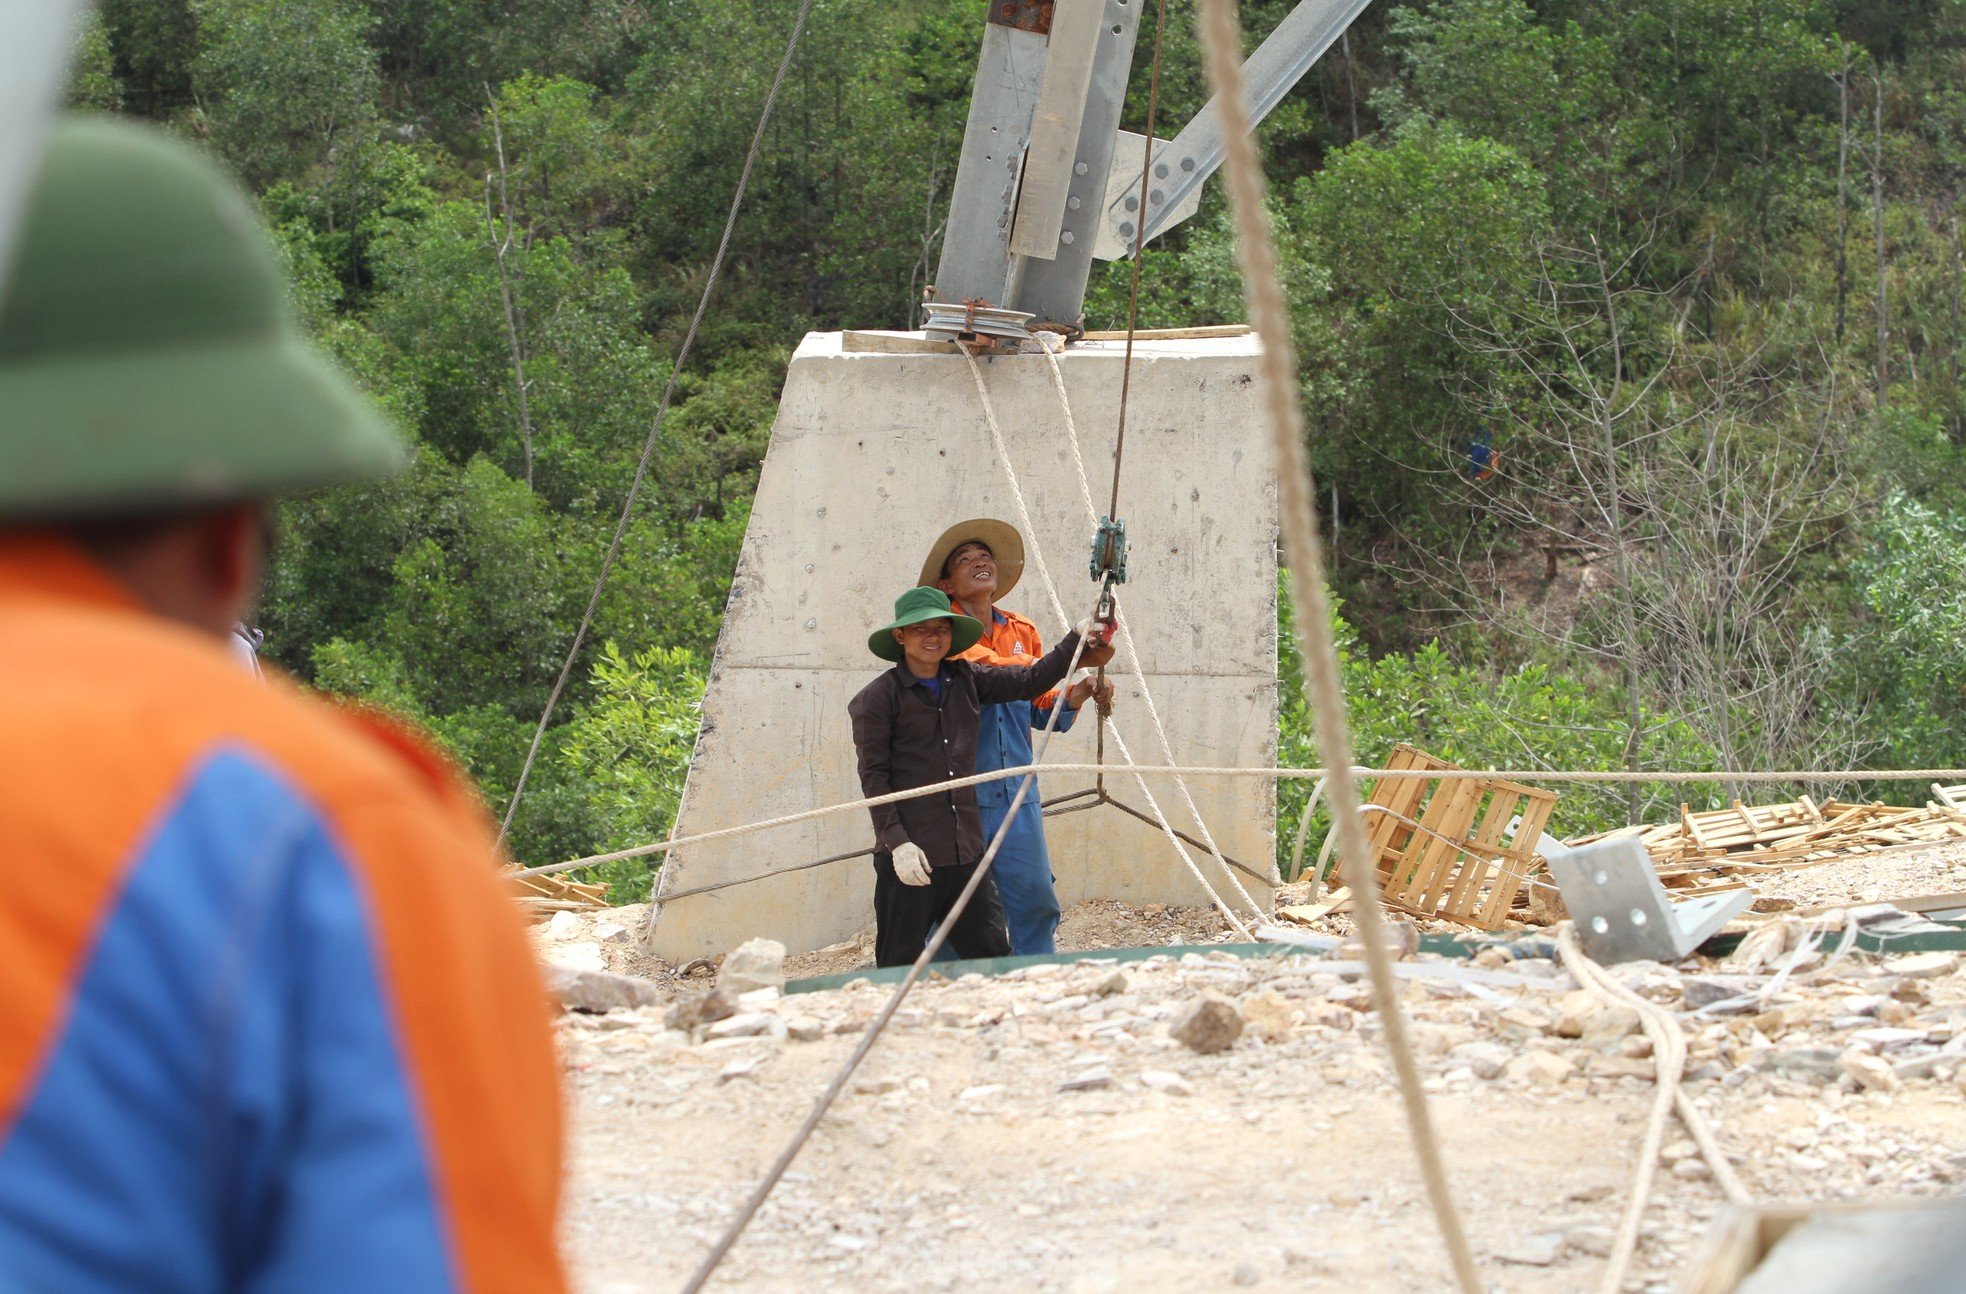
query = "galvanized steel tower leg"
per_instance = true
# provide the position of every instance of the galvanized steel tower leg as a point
(1037, 197)
(975, 261)
(1053, 288)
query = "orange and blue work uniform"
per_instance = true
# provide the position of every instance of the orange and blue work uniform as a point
(1023, 867)
(268, 1023)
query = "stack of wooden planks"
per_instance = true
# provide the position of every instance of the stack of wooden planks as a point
(1720, 848)
(544, 895)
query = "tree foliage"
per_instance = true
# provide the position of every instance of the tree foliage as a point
(1621, 408)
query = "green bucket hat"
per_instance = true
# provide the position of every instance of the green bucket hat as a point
(915, 606)
(148, 357)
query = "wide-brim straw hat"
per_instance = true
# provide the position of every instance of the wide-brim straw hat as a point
(1000, 537)
(915, 606)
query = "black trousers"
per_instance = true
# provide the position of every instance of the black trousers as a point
(904, 914)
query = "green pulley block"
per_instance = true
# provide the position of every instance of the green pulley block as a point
(1109, 551)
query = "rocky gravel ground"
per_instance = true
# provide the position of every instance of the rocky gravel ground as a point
(1050, 1131)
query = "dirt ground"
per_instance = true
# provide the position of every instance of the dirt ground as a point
(1046, 1132)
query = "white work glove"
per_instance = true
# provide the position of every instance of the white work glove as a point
(911, 864)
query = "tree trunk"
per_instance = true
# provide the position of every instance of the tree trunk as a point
(1843, 196)
(1958, 424)
(514, 313)
(1877, 218)
(1351, 81)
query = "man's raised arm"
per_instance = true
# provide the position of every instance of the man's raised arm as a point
(996, 683)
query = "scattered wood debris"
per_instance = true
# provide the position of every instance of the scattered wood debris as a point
(542, 896)
(1464, 850)
(1721, 848)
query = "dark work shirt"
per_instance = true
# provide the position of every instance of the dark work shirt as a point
(906, 739)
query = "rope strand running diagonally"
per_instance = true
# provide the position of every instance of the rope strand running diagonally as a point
(1221, 38)
(874, 1030)
(655, 427)
(1669, 1050)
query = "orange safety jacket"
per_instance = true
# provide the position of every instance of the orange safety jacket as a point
(267, 1022)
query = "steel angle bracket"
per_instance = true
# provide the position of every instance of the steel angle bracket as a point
(1043, 194)
(1622, 912)
(975, 263)
(1180, 169)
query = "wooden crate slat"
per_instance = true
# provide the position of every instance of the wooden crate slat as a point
(1448, 814)
(1464, 897)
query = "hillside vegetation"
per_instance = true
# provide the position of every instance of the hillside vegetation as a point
(1631, 337)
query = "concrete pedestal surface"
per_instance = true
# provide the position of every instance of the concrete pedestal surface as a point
(871, 457)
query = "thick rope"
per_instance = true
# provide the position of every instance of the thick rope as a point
(1669, 1055)
(1036, 552)
(1304, 830)
(1127, 643)
(873, 1032)
(1221, 37)
(1016, 494)
(1294, 774)
(655, 428)
(1174, 838)
(1167, 753)
(1051, 350)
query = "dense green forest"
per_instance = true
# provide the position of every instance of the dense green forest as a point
(1630, 332)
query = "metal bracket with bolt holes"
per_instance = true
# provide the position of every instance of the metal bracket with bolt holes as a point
(1045, 176)
(1621, 910)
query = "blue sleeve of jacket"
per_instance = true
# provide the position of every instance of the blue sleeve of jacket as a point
(1039, 717)
(226, 1107)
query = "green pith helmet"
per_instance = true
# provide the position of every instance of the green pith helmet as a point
(148, 357)
(915, 606)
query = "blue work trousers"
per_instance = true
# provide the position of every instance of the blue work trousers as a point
(1023, 875)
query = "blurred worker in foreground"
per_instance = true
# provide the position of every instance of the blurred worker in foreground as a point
(915, 725)
(977, 562)
(267, 1023)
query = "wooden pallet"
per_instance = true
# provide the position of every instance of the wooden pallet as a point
(1444, 845)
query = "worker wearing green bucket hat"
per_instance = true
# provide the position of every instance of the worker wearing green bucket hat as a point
(916, 725)
(918, 606)
(278, 961)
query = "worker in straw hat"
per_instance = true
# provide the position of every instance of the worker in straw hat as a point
(916, 725)
(977, 563)
(269, 1022)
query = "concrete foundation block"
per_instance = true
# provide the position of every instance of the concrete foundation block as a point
(872, 455)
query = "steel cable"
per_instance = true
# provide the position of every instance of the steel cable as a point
(655, 428)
